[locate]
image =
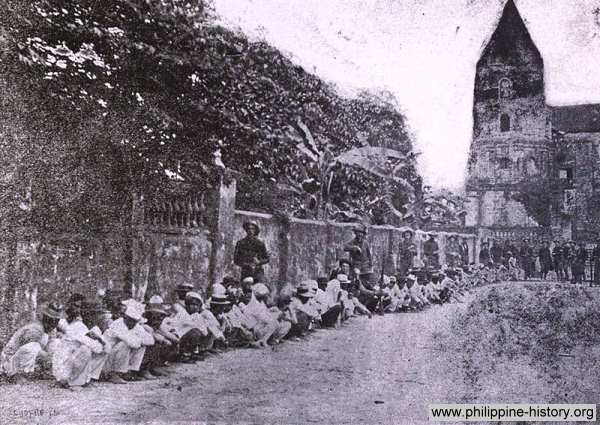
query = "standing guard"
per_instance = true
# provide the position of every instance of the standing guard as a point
(251, 253)
(406, 253)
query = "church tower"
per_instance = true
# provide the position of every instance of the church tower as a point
(511, 126)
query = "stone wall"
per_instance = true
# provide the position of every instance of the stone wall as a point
(305, 249)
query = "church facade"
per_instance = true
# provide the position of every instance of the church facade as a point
(532, 166)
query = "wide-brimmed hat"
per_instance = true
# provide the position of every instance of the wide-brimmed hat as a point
(248, 280)
(134, 310)
(260, 290)
(156, 306)
(52, 310)
(219, 300)
(304, 289)
(185, 286)
(219, 295)
(249, 223)
(194, 297)
(361, 228)
(343, 278)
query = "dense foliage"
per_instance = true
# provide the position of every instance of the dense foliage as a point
(123, 95)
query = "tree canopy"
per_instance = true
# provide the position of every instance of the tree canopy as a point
(128, 93)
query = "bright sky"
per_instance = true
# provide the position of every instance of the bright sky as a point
(424, 52)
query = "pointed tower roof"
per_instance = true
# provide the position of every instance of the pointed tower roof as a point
(510, 35)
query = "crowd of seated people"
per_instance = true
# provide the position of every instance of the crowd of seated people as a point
(112, 338)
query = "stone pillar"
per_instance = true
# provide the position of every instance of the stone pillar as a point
(222, 225)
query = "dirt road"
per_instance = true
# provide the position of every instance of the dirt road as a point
(383, 370)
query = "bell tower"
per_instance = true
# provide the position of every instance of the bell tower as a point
(511, 129)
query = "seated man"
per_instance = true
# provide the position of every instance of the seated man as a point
(234, 332)
(28, 353)
(268, 324)
(91, 317)
(180, 292)
(191, 329)
(351, 304)
(73, 354)
(165, 342)
(127, 342)
(417, 300)
(344, 267)
(400, 298)
(329, 308)
(238, 326)
(431, 290)
(304, 310)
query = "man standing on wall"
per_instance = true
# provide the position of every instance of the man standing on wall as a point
(251, 253)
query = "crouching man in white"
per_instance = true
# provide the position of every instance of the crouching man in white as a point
(127, 341)
(28, 353)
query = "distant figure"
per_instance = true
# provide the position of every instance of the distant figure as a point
(360, 252)
(567, 259)
(496, 252)
(406, 253)
(453, 252)
(431, 253)
(545, 259)
(579, 259)
(557, 257)
(251, 253)
(464, 252)
(526, 259)
(484, 254)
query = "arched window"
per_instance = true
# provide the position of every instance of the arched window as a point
(504, 122)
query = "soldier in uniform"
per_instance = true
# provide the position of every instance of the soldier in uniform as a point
(251, 253)
(526, 259)
(484, 254)
(431, 253)
(496, 252)
(545, 259)
(362, 260)
(406, 253)
(579, 260)
(453, 252)
(464, 252)
(567, 258)
(557, 256)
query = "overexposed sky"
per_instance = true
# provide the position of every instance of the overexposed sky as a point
(424, 52)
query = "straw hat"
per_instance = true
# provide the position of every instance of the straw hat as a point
(186, 286)
(219, 295)
(52, 310)
(156, 306)
(195, 297)
(304, 289)
(260, 290)
(342, 278)
(134, 310)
